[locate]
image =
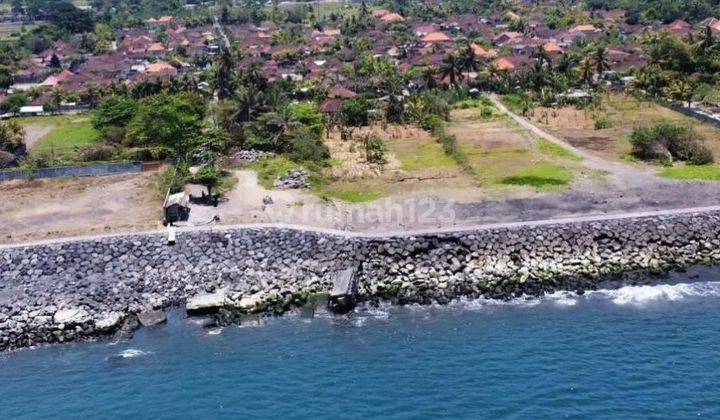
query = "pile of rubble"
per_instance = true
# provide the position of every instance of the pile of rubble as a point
(293, 180)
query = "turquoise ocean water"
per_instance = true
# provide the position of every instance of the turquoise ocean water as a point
(637, 352)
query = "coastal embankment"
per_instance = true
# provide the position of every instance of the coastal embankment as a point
(105, 287)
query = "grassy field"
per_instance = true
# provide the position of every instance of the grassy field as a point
(67, 135)
(693, 173)
(505, 159)
(620, 114)
(504, 155)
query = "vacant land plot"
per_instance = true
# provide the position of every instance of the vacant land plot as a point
(505, 156)
(57, 208)
(616, 118)
(415, 164)
(58, 138)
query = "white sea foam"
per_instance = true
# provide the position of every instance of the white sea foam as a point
(643, 295)
(215, 331)
(131, 353)
(562, 298)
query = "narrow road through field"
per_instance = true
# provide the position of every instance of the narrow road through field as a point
(628, 175)
(35, 133)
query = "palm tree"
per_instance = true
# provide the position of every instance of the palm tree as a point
(427, 77)
(539, 76)
(707, 41)
(586, 71)
(451, 68)
(680, 90)
(223, 75)
(600, 60)
(540, 55)
(468, 59)
(247, 100)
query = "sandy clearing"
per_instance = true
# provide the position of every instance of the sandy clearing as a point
(56, 208)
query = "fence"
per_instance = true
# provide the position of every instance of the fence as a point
(76, 171)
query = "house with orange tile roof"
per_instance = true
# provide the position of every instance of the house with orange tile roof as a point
(161, 69)
(587, 28)
(156, 48)
(392, 18)
(482, 52)
(436, 37)
(504, 64)
(552, 48)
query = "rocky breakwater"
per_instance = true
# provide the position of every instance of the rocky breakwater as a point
(104, 288)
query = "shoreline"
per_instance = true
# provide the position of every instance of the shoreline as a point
(106, 287)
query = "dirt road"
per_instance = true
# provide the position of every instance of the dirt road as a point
(626, 175)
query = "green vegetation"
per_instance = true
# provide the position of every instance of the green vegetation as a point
(667, 142)
(428, 155)
(351, 195)
(553, 149)
(66, 139)
(693, 172)
(269, 170)
(542, 177)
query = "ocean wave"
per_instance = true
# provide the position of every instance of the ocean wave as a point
(643, 295)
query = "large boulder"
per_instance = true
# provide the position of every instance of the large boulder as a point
(71, 316)
(149, 318)
(109, 321)
(250, 303)
(208, 303)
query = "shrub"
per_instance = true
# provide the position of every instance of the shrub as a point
(13, 103)
(667, 141)
(375, 150)
(97, 152)
(601, 122)
(306, 145)
(145, 153)
(113, 134)
(433, 124)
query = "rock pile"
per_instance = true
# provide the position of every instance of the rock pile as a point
(104, 288)
(250, 156)
(293, 180)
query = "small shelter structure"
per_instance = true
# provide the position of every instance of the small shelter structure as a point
(176, 207)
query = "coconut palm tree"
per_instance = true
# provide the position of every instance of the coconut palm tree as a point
(427, 78)
(451, 69)
(468, 59)
(586, 72)
(600, 60)
(539, 54)
(680, 90)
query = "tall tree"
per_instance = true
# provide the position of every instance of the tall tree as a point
(224, 77)
(451, 69)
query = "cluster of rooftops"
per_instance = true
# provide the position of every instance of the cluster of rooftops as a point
(166, 47)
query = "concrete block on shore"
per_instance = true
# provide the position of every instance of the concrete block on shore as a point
(208, 303)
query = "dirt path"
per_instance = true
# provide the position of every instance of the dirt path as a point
(626, 175)
(245, 204)
(35, 133)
